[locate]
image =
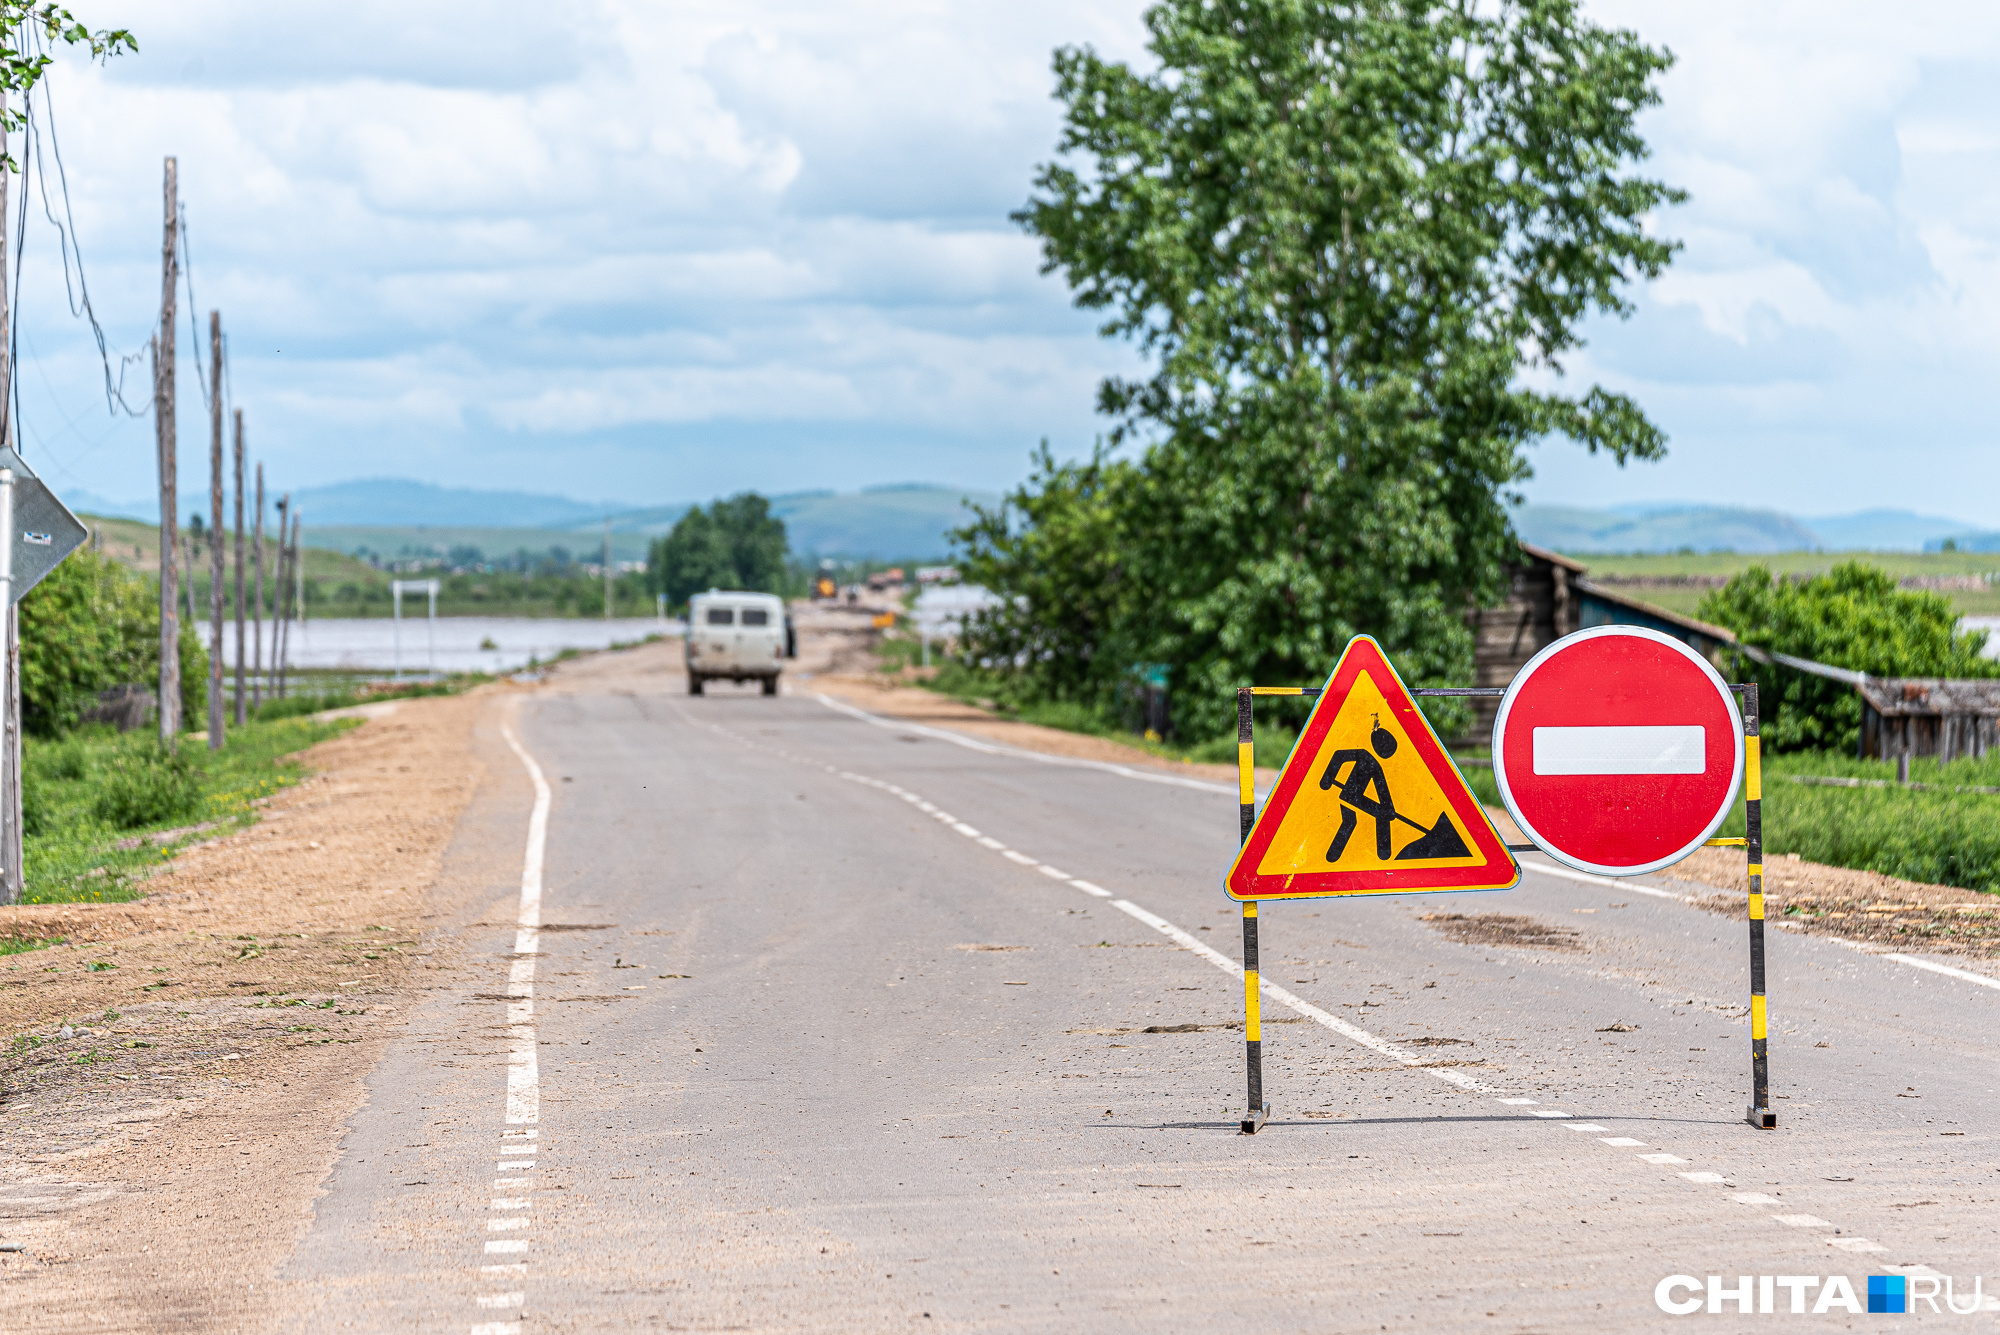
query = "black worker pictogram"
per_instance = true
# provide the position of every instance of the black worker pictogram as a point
(1441, 840)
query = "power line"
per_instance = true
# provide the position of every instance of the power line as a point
(194, 307)
(79, 295)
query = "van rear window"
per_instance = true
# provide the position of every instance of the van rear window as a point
(756, 616)
(721, 616)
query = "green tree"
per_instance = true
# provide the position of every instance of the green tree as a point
(734, 544)
(1054, 546)
(93, 624)
(1356, 240)
(1854, 616)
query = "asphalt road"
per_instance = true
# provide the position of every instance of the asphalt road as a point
(807, 1056)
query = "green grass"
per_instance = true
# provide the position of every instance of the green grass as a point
(86, 794)
(342, 690)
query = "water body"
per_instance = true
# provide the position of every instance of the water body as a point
(1991, 625)
(451, 644)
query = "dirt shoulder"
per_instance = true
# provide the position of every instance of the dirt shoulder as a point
(174, 1080)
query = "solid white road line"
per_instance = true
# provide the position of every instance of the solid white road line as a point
(1609, 882)
(994, 749)
(1965, 975)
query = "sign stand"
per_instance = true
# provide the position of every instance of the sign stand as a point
(1256, 1111)
(1759, 1113)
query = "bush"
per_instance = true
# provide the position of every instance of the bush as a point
(90, 625)
(147, 787)
(1854, 616)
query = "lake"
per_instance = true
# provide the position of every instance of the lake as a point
(370, 644)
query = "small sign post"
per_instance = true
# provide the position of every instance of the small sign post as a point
(1368, 803)
(1619, 751)
(36, 532)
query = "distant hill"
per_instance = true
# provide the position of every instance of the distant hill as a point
(884, 523)
(901, 522)
(1966, 542)
(1672, 526)
(1884, 530)
(398, 501)
(1703, 528)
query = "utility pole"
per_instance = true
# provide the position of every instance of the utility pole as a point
(11, 878)
(163, 427)
(257, 608)
(278, 612)
(298, 580)
(607, 567)
(216, 571)
(240, 702)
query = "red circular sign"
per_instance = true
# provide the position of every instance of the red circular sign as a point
(1618, 750)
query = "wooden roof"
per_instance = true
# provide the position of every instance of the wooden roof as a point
(1922, 697)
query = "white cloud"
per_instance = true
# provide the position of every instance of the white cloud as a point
(1831, 320)
(525, 225)
(696, 247)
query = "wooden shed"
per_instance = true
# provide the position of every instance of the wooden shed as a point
(1928, 716)
(1540, 608)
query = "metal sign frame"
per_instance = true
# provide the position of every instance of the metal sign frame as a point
(1759, 1113)
(41, 532)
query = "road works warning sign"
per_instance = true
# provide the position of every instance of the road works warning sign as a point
(1368, 802)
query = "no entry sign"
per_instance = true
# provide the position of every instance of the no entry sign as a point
(1618, 750)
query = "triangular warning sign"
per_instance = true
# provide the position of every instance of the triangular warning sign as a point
(1369, 803)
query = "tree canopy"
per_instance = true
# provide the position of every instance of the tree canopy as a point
(734, 544)
(1356, 242)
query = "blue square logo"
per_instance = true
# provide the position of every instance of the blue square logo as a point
(1887, 1293)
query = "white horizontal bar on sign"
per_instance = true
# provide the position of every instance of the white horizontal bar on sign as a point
(1677, 749)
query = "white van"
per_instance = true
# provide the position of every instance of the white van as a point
(741, 636)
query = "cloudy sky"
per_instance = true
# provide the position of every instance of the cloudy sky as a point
(648, 252)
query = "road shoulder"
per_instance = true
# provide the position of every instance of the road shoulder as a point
(162, 1159)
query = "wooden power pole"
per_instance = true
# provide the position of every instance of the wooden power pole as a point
(163, 426)
(279, 607)
(11, 878)
(216, 529)
(607, 568)
(240, 702)
(257, 606)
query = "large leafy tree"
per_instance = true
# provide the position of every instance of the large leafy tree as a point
(1854, 616)
(734, 544)
(1356, 241)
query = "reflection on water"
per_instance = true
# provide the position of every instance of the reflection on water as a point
(450, 644)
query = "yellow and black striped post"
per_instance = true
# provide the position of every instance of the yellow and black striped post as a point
(1760, 1114)
(1253, 1033)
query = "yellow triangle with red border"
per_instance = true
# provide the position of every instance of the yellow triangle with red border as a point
(1369, 802)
